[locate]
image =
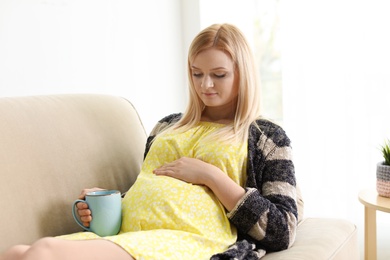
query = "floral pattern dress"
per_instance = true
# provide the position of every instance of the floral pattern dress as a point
(166, 218)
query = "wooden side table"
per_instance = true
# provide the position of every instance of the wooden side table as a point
(372, 202)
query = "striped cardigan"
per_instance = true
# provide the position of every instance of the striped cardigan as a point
(266, 217)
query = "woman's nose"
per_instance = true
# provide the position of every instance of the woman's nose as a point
(207, 83)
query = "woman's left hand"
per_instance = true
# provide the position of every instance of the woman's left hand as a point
(190, 170)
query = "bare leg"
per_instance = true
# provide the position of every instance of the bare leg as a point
(14, 252)
(54, 248)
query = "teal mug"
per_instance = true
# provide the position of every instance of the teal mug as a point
(106, 208)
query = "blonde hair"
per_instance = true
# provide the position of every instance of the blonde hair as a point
(231, 40)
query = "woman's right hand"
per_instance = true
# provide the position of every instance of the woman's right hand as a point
(83, 209)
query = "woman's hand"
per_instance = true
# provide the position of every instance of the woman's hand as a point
(196, 171)
(190, 170)
(82, 208)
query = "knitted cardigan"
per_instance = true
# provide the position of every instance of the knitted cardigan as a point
(266, 217)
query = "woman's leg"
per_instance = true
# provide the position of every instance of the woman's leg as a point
(59, 249)
(14, 252)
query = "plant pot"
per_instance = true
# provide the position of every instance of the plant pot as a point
(383, 179)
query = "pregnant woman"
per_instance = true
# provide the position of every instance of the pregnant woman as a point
(217, 181)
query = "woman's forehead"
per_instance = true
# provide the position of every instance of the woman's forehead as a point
(212, 59)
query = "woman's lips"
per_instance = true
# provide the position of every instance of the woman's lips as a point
(210, 94)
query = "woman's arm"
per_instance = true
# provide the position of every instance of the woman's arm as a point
(227, 191)
(267, 212)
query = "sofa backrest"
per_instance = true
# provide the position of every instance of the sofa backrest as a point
(51, 147)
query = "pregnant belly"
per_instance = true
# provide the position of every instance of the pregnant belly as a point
(160, 202)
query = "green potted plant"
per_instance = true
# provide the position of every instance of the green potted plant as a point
(383, 172)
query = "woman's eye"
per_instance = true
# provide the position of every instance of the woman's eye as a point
(197, 75)
(220, 75)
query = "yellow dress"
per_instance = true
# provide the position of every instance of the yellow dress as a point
(166, 218)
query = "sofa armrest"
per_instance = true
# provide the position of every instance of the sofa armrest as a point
(51, 147)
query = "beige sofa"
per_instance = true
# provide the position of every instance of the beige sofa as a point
(51, 147)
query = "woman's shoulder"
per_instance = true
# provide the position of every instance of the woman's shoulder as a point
(171, 118)
(266, 129)
(165, 122)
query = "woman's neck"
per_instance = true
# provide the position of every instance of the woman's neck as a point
(218, 115)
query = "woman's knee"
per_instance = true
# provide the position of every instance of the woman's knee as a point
(42, 249)
(15, 252)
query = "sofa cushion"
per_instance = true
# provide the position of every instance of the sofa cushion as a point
(322, 238)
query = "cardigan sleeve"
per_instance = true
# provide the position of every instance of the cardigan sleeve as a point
(268, 211)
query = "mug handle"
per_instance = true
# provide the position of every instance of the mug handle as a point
(76, 218)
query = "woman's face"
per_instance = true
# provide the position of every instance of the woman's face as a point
(214, 78)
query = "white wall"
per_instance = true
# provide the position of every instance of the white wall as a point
(126, 48)
(239, 13)
(336, 61)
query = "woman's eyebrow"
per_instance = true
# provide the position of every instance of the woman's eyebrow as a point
(216, 68)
